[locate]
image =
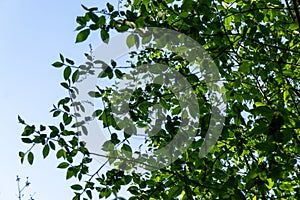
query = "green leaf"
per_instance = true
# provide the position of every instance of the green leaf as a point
(270, 183)
(175, 191)
(84, 130)
(164, 104)
(81, 20)
(286, 95)
(101, 21)
(294, 26)
(84, 7)
(89, 194)
(75, 76)
(76, 187)
(58, 64)
(113, 63)
(94, 94)
(62, 58)
(65, 85)
(108, 146)
(94, 27)
(70, 173)
(30, 157)
(104, 35)
(42, 128)
(21, 121)
(130, 41)
(118, 73)
(126, 147)
(258, 104)
(78, 28)
(46, 150)
(29, 130)
(63, 165)
(245, 66)
(187, 5)
(61, 153)
(71, 62)
(93, 17)
(67, 119)
(82, 35)
(77, 196)
(114, 138)
(133, 190)
(67, 73)
(109, 7)
(22, 156)
(26, 140)
(176, 110)
(54, 129)
(56, 113)
(140, 22)
(52, 145)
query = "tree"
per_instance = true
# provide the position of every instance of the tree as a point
(254, 46)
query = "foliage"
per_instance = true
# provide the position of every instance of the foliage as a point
(254, 44)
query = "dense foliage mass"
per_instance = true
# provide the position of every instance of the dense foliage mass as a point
(254, 44)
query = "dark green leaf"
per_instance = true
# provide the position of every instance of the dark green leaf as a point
(57, 64)
(71, 62)
(62, 58)
(22, 156)
(67, 73)
(89, 194)
(109, 7)
(46, 150)
(52, 145)
(26, 140)
(104, 35)
(21, 121)
(65, 85)
(76, 187)
(118, 73)
(30, 157)
(75, 76)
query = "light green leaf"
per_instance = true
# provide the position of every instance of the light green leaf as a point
(130, 41)
(82, 35)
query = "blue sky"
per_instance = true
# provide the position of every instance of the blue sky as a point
(32, 35)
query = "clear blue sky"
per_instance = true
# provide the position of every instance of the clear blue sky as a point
(32, 35)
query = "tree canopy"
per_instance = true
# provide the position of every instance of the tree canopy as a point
(253, 46)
